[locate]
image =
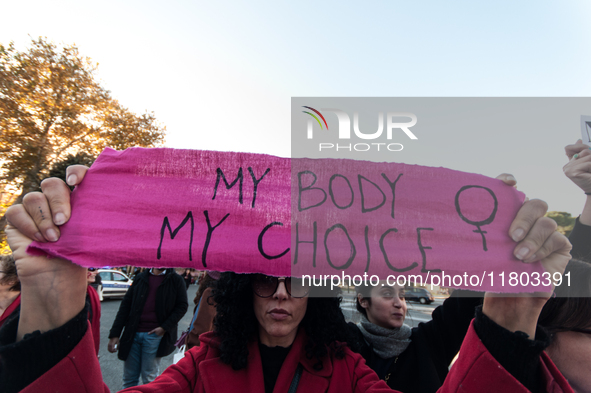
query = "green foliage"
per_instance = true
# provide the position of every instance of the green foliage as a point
(7, 198)
(59, 168)
(52, 107)
(564, 220)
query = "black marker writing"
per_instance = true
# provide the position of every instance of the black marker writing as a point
(220, 175)
(260, 242)
(166, 224)
(478, 224)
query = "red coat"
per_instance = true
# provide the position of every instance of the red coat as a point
(95, 324)
(204, 321)
(476, 370)
(9, 310)
(201, 371)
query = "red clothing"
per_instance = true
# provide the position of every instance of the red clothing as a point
(95, 312)
(476, 370)
(15, 303)
(201, 371)
(148, 317)
(204, 321)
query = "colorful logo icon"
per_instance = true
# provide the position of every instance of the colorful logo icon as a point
(317, 119)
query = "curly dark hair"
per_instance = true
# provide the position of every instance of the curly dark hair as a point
(365, 291)
(207, 282)
(10, 277)
(236, 324)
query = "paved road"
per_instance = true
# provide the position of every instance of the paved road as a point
(112, 368)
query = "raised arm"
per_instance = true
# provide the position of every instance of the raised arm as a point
(536, 238)
(501, 351)
(53, 290)
(53, 294)
(578, 170)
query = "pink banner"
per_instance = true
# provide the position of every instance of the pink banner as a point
(249, 213)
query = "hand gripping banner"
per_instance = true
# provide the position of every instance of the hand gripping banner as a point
(246, 213)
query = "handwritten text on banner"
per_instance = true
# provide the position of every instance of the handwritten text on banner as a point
(249, 213)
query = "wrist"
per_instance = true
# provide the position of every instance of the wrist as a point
(48, 305)
(514, 313)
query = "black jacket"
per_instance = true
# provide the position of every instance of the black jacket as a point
(423, 366)
(580, 238)
(171, 306)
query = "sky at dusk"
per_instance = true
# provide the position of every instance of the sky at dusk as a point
(220, 75)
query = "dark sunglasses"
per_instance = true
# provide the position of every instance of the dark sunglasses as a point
(266, 286)
(566, 329)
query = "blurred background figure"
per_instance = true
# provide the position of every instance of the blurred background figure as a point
(410, 359)
(95, 281)
(10, 287)
(204, 313)
(187, 277)
(578, 170)
(195, 276)
(145, 328)
(93, 304)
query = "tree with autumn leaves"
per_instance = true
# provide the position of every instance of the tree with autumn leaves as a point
(52, 108)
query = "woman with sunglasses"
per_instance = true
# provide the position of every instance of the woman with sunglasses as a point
(271, 334)
(204, 312)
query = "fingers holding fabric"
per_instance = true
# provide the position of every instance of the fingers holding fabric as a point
(75, 174)
(508, 179)
(526, 218)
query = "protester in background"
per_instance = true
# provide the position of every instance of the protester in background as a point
(149, 312)
(200, 277)
(93, 303)
(411, 359)
(204, 312)
(95, 281)
(578, 170)
(187, 277)
(10, 287)
(195, 275)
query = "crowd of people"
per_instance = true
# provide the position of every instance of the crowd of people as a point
(252, 332)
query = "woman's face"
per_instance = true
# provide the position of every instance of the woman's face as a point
(279, 316)
(571, 352)
(387, 308)
(91, 276)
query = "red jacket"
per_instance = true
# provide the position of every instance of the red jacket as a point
(204, 321)
(10, 309)
(95, 323)
(476, 370)
(201, 371)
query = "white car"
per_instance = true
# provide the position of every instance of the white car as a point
(115, 283)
